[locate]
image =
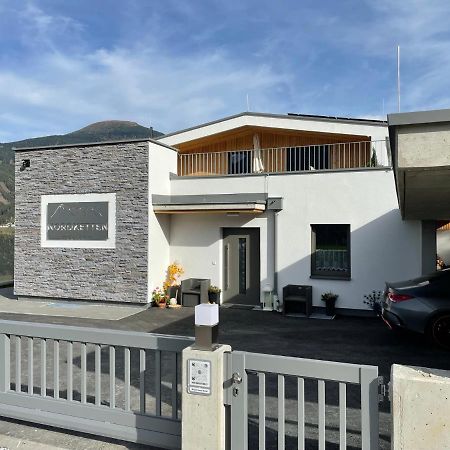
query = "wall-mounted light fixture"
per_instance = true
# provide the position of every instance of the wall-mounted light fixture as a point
(25, 164)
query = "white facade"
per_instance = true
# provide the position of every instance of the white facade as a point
(383, 246)
(162, 162)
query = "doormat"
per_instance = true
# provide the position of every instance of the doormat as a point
(312, 316)
(236, 306)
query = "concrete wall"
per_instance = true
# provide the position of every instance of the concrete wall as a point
(424, 145)
(163, 161)
(429, 246)
(420, 404)
(116, 274)
(383, 247)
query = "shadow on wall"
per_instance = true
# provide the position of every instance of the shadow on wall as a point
(164, 223)
(385, 249)
(209, 236)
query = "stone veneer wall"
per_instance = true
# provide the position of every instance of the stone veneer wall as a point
(118, 274)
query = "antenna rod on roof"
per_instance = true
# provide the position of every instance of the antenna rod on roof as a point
(248, 104)
(398, 77)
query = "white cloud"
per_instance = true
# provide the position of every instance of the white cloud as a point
(38, 28)
(326, 66)
(137, 84)
(421, 29)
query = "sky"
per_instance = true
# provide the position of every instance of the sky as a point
(173, 64)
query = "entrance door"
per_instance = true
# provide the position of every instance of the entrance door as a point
(241, 266)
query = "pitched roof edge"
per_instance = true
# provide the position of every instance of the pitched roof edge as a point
(279, 116)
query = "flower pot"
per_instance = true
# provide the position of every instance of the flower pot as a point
(214, 297)
(330, 308)
(162, 305)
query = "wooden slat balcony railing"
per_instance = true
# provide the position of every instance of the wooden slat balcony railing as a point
(348, 155)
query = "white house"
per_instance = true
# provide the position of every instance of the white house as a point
(261, 200)
(253, 202)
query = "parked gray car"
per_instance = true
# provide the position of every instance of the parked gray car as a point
(421, 305)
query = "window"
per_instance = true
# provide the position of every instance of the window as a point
(314, 157)
(330, 255)
(242, 265)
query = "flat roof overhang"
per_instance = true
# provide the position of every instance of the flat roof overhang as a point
(420, 154)
(208, 204)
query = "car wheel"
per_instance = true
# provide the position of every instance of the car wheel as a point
(440, 331)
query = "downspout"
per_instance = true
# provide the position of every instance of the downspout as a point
(274, 236)
(274, 204)
(275, 248)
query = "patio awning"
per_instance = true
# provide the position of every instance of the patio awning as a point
(214, 203)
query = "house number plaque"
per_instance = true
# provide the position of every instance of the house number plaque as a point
(199, 377)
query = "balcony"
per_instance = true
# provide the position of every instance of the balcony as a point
(323, 157)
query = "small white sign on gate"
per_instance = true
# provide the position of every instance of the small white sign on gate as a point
(199, 377)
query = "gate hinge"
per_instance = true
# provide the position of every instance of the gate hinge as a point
(383, 390)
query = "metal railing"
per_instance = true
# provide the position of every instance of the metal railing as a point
(348, 155)
(119, 384)
(268, 395)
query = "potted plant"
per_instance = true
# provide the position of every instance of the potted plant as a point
(214, 294)
(374, 301)
(159, 298)
(330, 300)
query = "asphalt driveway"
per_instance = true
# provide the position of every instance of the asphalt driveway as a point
(346, 339)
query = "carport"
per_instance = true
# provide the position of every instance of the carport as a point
(420, 146)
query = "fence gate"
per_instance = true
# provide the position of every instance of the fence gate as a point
(284, 403)
(119, 384)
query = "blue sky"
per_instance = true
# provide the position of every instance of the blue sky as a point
(173, 64)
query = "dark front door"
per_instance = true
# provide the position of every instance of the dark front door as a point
(241, 266)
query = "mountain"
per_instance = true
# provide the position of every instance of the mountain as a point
(109, 130)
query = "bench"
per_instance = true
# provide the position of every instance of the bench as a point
(297, 299)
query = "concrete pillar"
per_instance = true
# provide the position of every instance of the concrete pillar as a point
(420, 408)
(429, 246)
(203, 411)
